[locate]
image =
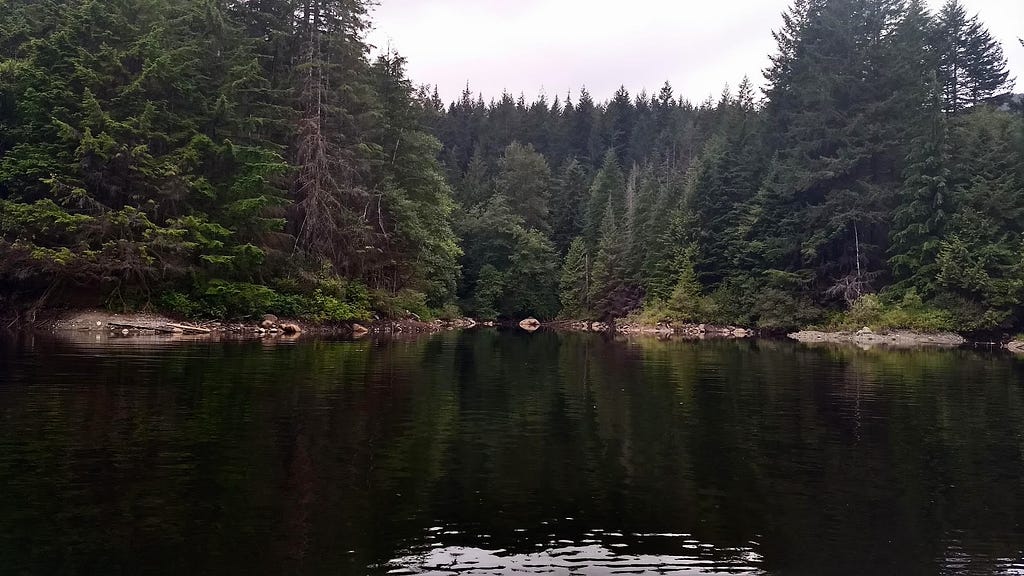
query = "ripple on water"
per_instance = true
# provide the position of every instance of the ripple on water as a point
(683, 556)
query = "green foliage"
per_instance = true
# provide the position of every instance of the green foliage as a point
(214, 157)
(487, 296)
(574, 285)
(908, 313)
(326, 308)
(176, 144)
(687, 302)
(401, 304)
(524, 177)
(334, 300)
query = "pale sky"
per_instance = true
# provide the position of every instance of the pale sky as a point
(553, 47)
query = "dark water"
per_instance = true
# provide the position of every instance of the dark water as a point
(488, 453)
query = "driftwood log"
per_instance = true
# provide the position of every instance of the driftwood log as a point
(163, 329)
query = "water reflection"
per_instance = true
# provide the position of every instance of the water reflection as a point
(599, 552)
(314, 457)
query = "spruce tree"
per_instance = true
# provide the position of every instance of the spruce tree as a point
(607, 190)
(613, 294)
(971, 64)
(524, 177)
(574, 286)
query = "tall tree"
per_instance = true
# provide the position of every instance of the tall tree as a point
(334, 108)
(607, 190)
(972, 66)
(524, 177)
(574, 285)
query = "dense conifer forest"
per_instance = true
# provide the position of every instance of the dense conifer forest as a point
(226, 158)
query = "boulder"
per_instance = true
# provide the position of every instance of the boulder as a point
(359, 329)
(530, 324)
(291, 328)
(269, 321)
(1017, 347)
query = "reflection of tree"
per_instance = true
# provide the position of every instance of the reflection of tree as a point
(285, 459)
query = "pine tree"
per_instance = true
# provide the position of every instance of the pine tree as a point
(476, 186)
(687, 302)
(612, 293)
(568, 204)
(607, 189)
(972, 66)
(617, 124)
(979, 273)
(524, 177)
(333, 101)
(921, 215)
(574, 287)
(581, 129)
(416, 247)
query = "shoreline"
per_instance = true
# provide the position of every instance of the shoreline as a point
(99, 321)
(890, 338)
(660, 330)
(896, 338)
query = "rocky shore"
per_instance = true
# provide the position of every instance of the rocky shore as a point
(269, 326)
(867, 337)
(661, 330)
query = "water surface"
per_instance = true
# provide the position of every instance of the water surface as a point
(493, 453)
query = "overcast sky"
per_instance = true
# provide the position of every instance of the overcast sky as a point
(556, 46)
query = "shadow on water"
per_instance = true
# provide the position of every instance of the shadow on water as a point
(484, 452)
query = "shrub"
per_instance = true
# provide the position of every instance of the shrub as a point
(449, 312)
(401, 303)
(326, 308)
(910, 313)
(178, 303)
(223, 299)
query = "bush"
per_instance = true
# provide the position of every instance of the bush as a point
(910, 313)
(326, 308)
(400, 304)
(223, 299)
(334, 300)
(449, 312)
(178, 303)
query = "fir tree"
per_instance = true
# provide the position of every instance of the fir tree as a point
(574, 287)
(971, 67)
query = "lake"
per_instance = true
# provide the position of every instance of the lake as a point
(487, 452)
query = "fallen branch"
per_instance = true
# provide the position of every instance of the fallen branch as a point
(185, 328)
(160, 329)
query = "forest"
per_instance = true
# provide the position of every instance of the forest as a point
(228, 158)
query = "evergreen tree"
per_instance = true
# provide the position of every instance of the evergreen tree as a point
(332, 88)
(416, 247)
(487, 296)
(524, 177)
(568, 204)
(574, 287)
(607, 190)
(612, 293)
(920, 217)
(475, 186)
(971, 67)
(687, 303)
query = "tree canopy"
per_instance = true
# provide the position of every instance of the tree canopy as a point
(232, 157)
